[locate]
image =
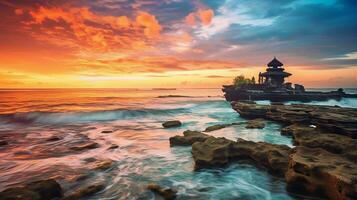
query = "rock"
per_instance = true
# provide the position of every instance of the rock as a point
(220, 126)
(171, 124)
(288, 130)
(317, 172)
(88, 145)
(166, 193)
(107, 131)
(3, 143)
(53, 139)
(103, 165)
(337, 120)
(250, 110)
(216, 127)
(333, 143)
(213, 152)
(218, 152)
(189, 138)
(39, 190)
(85, 191)
(90, 159)
(113, 146)
(256, 123)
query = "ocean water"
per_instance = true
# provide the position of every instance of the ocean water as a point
(29, 117)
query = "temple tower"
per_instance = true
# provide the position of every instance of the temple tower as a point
(274, 75)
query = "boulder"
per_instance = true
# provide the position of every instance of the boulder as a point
(171, 124)
(218, 152)
(165, 193)
(188, 138)
(216, 127)
(317, 172)
(213, 152)
(85, 191)
(220, 126)
(256, 123)
(39, 190)
(85, 146)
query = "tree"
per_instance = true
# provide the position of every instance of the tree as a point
(253, 80)
(241, 80)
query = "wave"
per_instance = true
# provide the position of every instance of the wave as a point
(77, 117)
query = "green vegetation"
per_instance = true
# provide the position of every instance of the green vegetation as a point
(241, 80)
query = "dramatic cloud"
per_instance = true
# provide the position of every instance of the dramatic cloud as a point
(74, 41)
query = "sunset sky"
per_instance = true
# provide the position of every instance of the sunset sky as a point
(174, 43)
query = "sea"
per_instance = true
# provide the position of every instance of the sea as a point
(131, 119)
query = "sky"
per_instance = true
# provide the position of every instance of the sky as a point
(174, 43)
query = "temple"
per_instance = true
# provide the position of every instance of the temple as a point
(274, 75)
(272, 86)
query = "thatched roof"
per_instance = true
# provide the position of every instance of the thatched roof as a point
(275, 63)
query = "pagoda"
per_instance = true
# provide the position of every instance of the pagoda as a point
(274, 75)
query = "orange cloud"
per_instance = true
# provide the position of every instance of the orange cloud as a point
(80, 28)
(152, 26)
(191, 19)
(205, 16)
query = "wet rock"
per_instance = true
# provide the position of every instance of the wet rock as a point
(85, 146)
(85, 191)
(171, 124)
(165, 193)
(213, 152)
(336, 120)
(256, 123)
(288, 130)
(107, 131)
(216, 127)
(103, 165)
(334, 143)
(90, 159)
(39, 190)
(113, 146)
(188, 138)
(317, 172)
(53, 139)
(220, 126)
(217, 152)
(3, 143)
(250, 110)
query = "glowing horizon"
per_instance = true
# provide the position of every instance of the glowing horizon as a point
(174, 44)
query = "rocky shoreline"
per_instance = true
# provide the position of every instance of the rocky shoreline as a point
(323, 163)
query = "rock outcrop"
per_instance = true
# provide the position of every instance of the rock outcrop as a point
(171, 124)
(165, 193)
(256, 123)
(338, 120)
(217, 152)
(39, 190)
(188, 138)
(317, 172)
